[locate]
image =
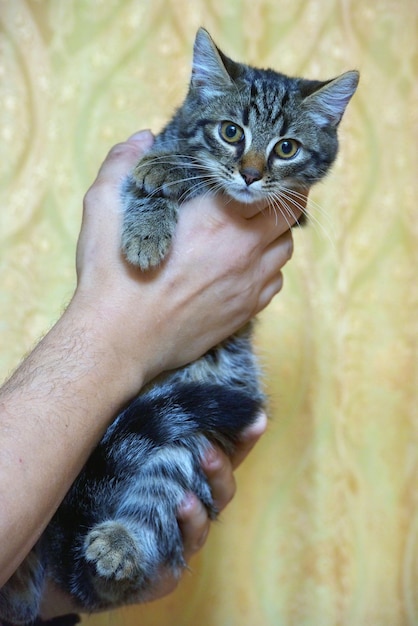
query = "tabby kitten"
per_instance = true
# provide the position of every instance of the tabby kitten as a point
(254, 135)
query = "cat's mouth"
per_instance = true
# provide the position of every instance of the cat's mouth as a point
(245, 193)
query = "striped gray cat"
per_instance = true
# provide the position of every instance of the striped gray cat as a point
(253, 135)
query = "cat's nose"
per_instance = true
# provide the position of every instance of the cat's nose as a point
(251, 174)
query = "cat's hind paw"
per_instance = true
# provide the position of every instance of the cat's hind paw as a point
(112, 550)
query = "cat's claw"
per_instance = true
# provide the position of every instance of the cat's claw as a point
(111, 549)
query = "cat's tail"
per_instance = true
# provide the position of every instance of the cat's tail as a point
(171, 412)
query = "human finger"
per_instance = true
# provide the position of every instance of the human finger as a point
(248, 438)
(277, 253)
(268, 292)
(101, 214)
(276, 220)
(218, 469)
(119, 161)
(270, 276)
(194, 524)
(123, 156)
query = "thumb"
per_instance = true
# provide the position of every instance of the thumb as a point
(123, 156)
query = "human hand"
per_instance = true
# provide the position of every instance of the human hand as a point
(223, 268)
(122, 328)
(192, 517)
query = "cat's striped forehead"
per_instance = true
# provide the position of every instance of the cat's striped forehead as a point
(268, 105)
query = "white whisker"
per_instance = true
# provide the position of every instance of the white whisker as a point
(287, 197)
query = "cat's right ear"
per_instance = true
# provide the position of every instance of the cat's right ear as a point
(209, 70)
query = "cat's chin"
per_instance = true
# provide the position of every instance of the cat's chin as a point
(246, 195)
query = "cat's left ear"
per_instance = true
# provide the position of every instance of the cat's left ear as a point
(212, 71)
(327, 103)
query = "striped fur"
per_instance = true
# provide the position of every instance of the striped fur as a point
(254, 135)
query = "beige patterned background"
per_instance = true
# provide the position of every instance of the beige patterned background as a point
(324, 529)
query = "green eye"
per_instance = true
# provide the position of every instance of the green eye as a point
(230, 132)
(286, 148)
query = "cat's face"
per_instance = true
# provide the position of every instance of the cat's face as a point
(260, 134)
(254, 147)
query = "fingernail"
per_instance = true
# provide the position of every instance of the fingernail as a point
(187, 503)
(257, 428)
(211, 456)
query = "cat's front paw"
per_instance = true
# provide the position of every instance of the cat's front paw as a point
(111, 549)
(148, 228)
(146, 250)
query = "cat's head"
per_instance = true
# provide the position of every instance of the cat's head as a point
(257, 132)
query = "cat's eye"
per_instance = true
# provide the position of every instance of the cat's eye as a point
(230, 132)
(286, 148)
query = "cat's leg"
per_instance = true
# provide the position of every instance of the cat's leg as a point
(129, 552)
(150, 198)
(117, 530)
(148, 229)
(20, 597)
(117, 554)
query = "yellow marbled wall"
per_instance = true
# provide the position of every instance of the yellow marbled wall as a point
(324, 529)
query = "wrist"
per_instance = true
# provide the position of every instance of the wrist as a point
(117, 356)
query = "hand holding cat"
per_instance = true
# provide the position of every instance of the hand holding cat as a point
(223, 268)
(120, 329)
(193, 518)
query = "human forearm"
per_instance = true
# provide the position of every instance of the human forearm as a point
(53, 410)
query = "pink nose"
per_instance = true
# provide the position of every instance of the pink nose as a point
(250, 175)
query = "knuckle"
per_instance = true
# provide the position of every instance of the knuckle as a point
(201, 540)
(228, 495)
(90, 197)
(232, 492)
(288, 245)
(119, 149)
(245, 259)
(95, 193)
